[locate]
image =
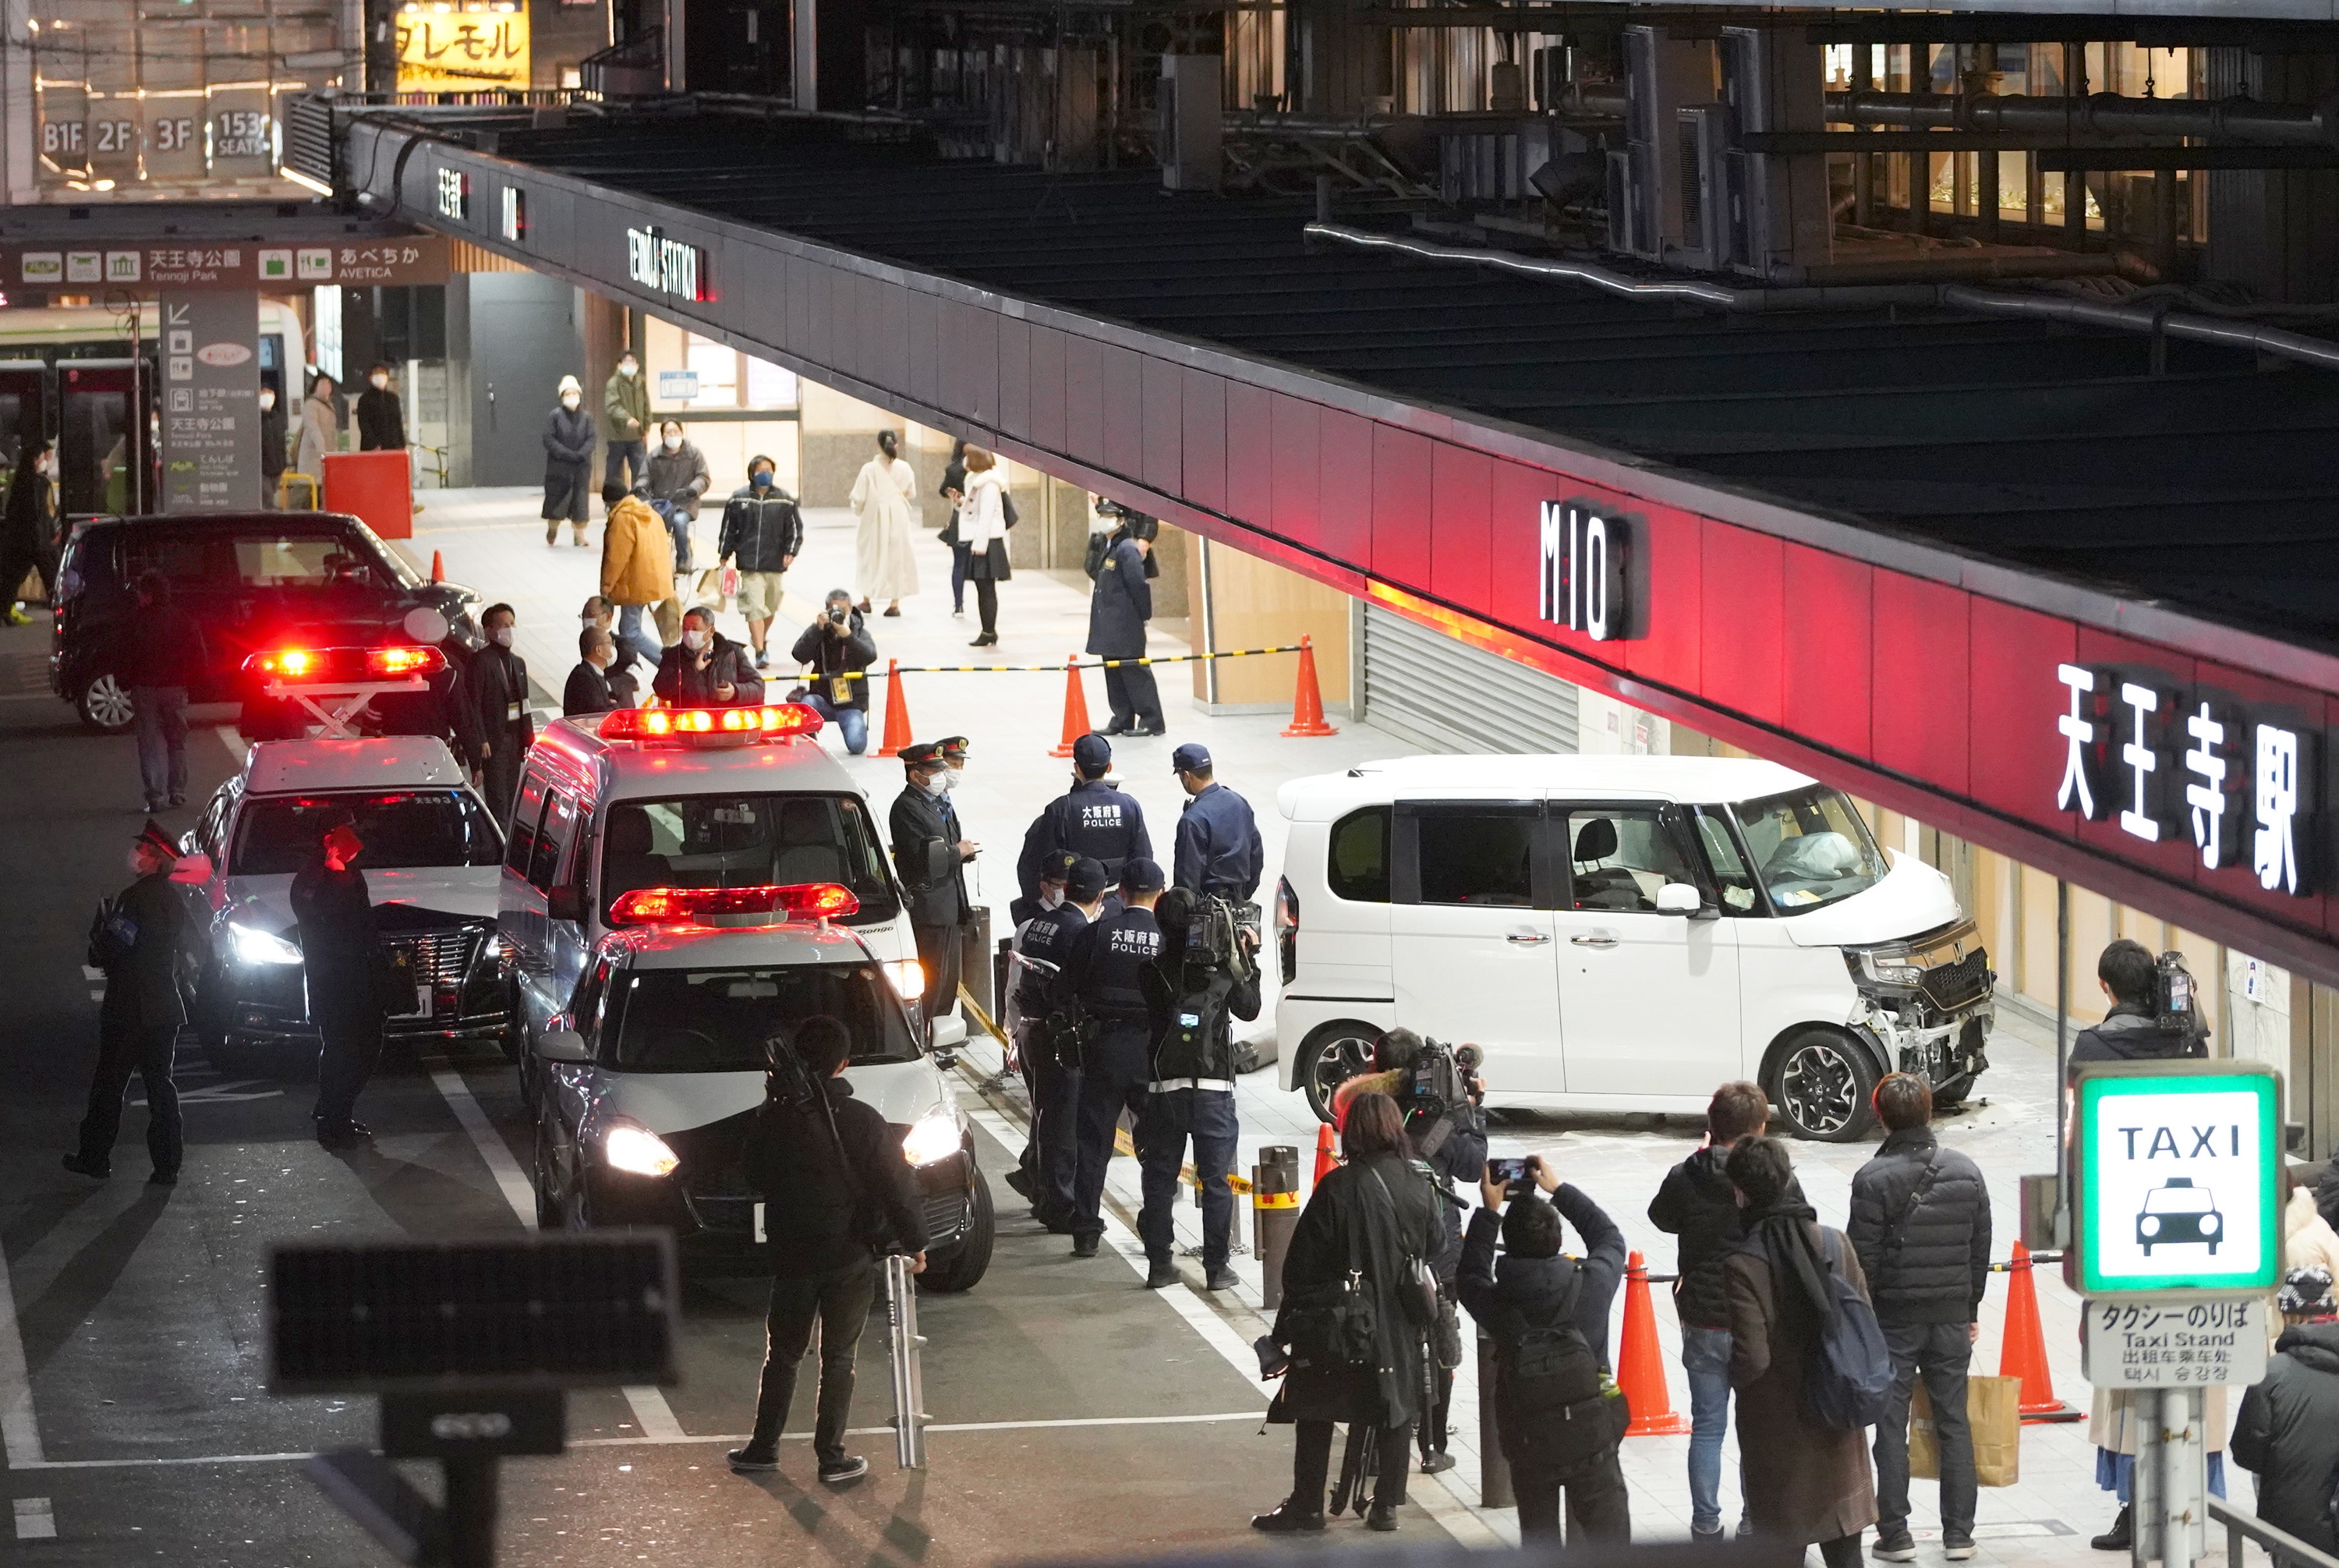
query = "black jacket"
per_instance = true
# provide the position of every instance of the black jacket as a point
(761, 530)
(1494, 1291)
(445, 710)
(2289, 1432)
(1217, 846)
(1348, 1223)
(1697, 1203)
(568, 440)
(1926, 1255)
(382, 422)
(273, 458)
(1174, 989)
(917, 820)
(1106, 967)
(163, 647)
(341, 946)
(594, 691)
(2128, 1034)
(497, 682)
(1092, 818)
(1120, 603)
(826, 655)
(684, 684)
(1047, 939)
(141, 991)
(824, 1213)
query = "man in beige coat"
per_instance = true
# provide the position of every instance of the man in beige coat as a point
(637, 570)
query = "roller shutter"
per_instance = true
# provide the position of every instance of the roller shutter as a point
(1449, 696)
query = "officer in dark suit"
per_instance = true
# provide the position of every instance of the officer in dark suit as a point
(1092, 818)
(499, 691)
(1042, 950)
(138, 946)
(1105, 974)
(1118, 606)
(348, 979)
(1218, 849)
(921, 820)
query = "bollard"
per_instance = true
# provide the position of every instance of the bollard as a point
(1273, 1214)
(1494, 1470)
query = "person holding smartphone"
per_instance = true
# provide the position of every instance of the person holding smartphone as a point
(836, 649)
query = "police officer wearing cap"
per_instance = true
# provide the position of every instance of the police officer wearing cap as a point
(1092, 818)
(1023, 910)
(1119, 607)
(930, 853)
(1043, 993)
(1105, 974)
(1218, 849)
(1192, 997)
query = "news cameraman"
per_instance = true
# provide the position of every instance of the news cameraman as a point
(2143, 1024)
(837, 650)
(1440, 1091)
(1206, 977)
(836, 1192)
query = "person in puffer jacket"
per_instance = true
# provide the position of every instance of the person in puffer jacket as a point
(2288, 1429)
(1921, 1224)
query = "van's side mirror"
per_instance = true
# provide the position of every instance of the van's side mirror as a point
(562, 1045)
(1679, 898)
(566, 903)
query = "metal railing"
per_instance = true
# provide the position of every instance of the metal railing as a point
(2281, 1544)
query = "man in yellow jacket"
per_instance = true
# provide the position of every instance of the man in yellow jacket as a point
(638, 571)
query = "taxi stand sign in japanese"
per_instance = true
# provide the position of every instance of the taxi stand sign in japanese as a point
(2176, 1213)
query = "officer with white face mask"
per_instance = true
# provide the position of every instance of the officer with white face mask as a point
(499, 685)
(930, 853)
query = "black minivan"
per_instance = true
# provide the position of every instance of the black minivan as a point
(255, 581)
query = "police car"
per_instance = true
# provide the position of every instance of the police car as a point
(647, 1081)
(431, 862)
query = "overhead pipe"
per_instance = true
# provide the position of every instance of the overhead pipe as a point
(2319, 352)
(2098, 115)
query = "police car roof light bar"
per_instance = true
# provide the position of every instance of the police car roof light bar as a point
(355, 675)
(768, 721)
(818, 901)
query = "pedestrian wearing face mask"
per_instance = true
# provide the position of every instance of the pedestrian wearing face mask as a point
(984, 515)
(349, 980)
(625, 425)
(593, 687)
(29, 529)
(381, 420)
(567, 464)
(762, 532)
(138, 939)
(929, 852)
(836, 651)
(882, 560)
(499, 685)
(273, 456)
(708, 669)
(599, 614)
(679, 478)
(320, 432)
(636, 573)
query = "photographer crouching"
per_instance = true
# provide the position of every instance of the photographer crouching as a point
(1439, 1089)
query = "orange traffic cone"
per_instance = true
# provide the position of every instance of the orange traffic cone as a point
(2023, 1351)
(1307, 701)
(1640, 1367)
(438, 567)
(897, 712)
(1326, 1159)
(1076, 709)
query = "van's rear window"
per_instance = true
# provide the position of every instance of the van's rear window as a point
(718, 1019)
(279, 834)
(746, 840)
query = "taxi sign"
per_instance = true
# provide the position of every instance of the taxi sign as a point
(2177, 1179)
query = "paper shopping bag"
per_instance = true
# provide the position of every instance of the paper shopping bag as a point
(1993, 1412)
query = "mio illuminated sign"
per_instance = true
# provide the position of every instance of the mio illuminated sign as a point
(664, 266)
(1590, 565)
(455, 195)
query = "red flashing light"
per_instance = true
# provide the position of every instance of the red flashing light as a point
(405, 661)
(686, 905)
(771, 720)
(345, 666)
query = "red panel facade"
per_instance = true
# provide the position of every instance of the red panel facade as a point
(1827, 665)
(1250, 454)
(1164, 426)
(1460, 517)
(1402, 479)
(1203, 436)
(1920, 635)
(1745, 605)
(1344, 456)
(1292, 425)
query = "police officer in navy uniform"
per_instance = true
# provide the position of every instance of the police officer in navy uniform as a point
(922, 817)
(1045, 949)
(1105, 974)
(1023, 1178)
(1218, 852)
(1092, 818)
(1119, 607)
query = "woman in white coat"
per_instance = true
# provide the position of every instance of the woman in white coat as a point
(881, 553)
(982, 524)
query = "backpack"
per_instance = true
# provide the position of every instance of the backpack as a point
(1559, 1408)
(1848, 1375)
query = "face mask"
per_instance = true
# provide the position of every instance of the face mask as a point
(500, 636)
(568, 401)
(267, 401)
(761, 480)
(589, 622)
(673, 443)
(1051, 896)
(938, 785)
(138, 866)
(694, 639)
(626, 370)
(379, 382)
(951, 777)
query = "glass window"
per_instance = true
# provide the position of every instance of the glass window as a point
(279, 834)
(526, 811)
(1618, 857)
(1810, 848)
(187, 562)
(1480, 854)
(718, 1019)
(277, 561)
(549, 853)
(746, 840)
(1731, 880)
(1357, 864)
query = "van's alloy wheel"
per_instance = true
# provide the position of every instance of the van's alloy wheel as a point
(1823, 1085)
(1330, 1057)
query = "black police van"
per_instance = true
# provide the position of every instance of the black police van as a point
(254, 581)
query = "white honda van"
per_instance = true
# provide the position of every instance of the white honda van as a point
(1622, 933)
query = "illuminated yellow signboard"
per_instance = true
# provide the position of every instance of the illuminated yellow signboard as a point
(461, 51)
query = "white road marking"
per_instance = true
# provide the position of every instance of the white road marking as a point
(36, 1519)
(650, 1408)
(232, 738)
(20, 1434)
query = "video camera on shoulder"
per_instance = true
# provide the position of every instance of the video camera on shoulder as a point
(2175, 995)
(1441, 1078)
(1216, 934)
